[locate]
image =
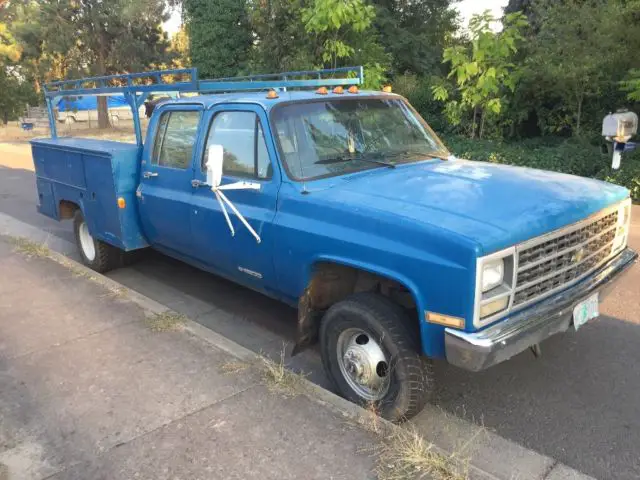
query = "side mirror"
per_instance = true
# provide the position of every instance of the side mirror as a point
(215, 156)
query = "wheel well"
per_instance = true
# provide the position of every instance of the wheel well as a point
(331, 283)
(67, 209)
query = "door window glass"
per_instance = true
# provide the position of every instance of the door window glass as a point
(243, 143)
(177, 132)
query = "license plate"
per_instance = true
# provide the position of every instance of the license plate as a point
(585, 311)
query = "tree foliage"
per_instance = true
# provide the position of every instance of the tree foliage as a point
(332, 21)
(219, 36)
(91, 37)
(415, 33)
(483, 71)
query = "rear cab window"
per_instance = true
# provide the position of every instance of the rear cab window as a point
(175, 138)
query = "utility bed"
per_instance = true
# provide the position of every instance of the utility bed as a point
(93, 174)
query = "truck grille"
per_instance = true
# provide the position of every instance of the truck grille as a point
(560, 258)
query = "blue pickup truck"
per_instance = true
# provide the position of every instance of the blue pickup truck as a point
(345, 204)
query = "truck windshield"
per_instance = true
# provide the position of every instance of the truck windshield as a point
(325, 138)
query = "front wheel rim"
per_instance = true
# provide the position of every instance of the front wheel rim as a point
(363, 364)
(86, 242)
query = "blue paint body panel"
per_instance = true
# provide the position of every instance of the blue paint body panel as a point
(422, 224)
(92, 174)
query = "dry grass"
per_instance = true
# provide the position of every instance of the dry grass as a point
(404, 454)
(278, 378)
(274, 374)
(234, 366)
(114, 291)
(166, 322)
(30, 249)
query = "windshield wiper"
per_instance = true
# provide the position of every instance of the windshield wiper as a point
(407, 153)
(351, 158)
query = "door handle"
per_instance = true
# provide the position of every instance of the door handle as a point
(198, 183)
(149, 174)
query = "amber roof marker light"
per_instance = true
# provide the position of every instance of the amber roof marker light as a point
(387, 89)
(322, 91)
(353, 89)
(339, 90)
(272, 94)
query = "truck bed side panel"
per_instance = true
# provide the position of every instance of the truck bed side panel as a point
(92, 174)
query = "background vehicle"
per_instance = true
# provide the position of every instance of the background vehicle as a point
(84, 109)
(345, 204)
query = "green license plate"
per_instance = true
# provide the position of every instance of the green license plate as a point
(586, 310)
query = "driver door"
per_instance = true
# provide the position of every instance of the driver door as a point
(249, 156)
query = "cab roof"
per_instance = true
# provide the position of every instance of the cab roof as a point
(260, 98)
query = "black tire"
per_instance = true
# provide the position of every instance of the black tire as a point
(410, 373)
(107, 257)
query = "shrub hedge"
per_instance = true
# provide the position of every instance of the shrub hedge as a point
(578, 157)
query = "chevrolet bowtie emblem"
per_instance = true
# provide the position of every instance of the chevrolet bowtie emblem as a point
(577, 256)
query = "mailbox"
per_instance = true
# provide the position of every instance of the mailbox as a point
(620, 126)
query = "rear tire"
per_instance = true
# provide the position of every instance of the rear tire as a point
(371, 355)
(95, 254)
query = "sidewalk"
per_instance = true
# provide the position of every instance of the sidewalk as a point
(89, 389)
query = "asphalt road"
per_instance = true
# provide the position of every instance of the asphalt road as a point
(578, 403)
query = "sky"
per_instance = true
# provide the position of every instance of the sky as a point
(466, 8)
(469, 7)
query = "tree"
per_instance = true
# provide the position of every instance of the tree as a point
(572, 56)
(94, 37)
(332, 21)
(415, 33)
(281, 41)
(482, 71)
(219, 36)
(16, 91)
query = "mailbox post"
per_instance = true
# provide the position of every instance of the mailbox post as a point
(618, 128)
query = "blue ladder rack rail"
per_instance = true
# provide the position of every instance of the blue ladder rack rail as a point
(136, 87)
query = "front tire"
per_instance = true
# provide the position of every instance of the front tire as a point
(96, 255)
(370, 353)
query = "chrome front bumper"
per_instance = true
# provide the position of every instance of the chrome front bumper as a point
(480, 350)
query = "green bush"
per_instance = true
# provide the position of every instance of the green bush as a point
(577, 157)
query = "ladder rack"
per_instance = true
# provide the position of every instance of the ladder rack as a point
(136, 87)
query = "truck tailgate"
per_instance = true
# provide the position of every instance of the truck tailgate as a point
(91, 174)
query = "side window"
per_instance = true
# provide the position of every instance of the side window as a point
(242, 138)
(175, 138)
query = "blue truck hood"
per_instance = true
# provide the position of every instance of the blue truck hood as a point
(494, 205)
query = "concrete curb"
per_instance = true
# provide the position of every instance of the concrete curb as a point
(496, 453)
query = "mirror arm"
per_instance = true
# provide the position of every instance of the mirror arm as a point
(219, 194)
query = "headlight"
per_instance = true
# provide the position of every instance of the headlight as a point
(494, 285)
(492, 274)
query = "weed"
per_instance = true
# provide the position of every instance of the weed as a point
(234, 366)
(274, 374)
(166, 321)
(114, 291)
(278, 378)
(405, 454)
(30, 249)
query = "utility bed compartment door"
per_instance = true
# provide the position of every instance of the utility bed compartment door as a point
(91, 174)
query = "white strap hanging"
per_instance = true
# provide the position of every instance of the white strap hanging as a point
(214, 177)
(222, 199)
